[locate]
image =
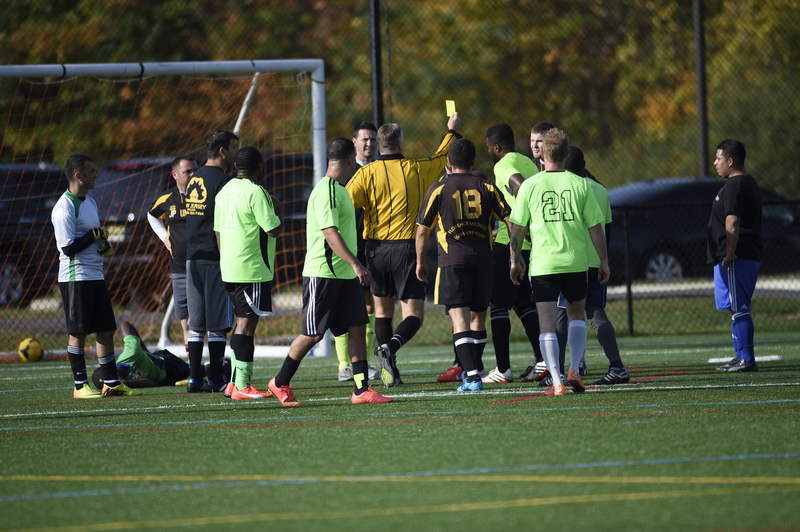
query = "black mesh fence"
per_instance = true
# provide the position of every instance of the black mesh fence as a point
(619, 77)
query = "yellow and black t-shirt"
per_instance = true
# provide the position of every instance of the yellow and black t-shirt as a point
(390, 190)
(464, 206)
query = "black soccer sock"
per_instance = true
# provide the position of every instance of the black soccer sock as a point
(108, 370)
(562, 326)
(405, 332)
(479, 339)
(383, 330)
(288, 369)
(606, 335)
(530, 321)
(360, 377)
(216, 353)
(195, 350)
(77, 361)
(501, 331)
(465, 350)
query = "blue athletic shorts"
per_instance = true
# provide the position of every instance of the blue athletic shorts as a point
(734, 289)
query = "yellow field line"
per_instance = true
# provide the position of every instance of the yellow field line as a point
(413, 510)
(377, 478)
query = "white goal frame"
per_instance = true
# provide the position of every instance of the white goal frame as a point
(256, 67)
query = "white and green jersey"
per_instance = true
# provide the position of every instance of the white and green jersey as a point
(601, 195)
(511, 163)
(243, 214)
(329, 206)
(557, 207)
(72, 218)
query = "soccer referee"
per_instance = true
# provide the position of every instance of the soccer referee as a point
(390, 190)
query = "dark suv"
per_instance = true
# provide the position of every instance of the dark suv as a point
(28, 256)
(138, 270)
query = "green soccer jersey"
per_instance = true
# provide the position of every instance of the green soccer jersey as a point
(557, 207)
(329, 206)
(511, 163)
(139, 363)
(601, 195)
(243, 214)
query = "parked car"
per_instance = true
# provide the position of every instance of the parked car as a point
(138, 270)
(28, 255)
(667, 219)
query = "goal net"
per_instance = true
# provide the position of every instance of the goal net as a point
(133, 119)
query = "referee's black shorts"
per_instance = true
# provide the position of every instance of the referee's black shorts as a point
(393, 267)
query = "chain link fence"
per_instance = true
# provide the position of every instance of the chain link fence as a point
(619, 77)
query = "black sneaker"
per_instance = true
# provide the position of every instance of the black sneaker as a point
(741, 365)
(728, 364)
(386, 363)
(196, 386)
(614, 376)
(582, 369)
(204, 387)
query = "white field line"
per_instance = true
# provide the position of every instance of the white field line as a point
(768, 358)
(487, 394)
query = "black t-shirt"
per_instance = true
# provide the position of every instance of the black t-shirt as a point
(171, 206)
(741, 196)
(465, 206)
(203, 187)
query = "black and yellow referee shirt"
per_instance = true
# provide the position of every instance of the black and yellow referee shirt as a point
(391, 190)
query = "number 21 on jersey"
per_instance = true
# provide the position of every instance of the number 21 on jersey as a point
(557, 208)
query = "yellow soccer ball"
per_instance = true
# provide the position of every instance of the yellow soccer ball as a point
(30, 350)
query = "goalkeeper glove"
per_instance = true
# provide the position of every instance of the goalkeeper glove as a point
(98, 233)
(106, 248)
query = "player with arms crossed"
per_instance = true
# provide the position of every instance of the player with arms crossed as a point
(81, 246)
(735, 249)
(333, 279)
(556, 207)
(464, 206)
(172, 206)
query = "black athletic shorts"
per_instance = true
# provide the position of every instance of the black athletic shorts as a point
(87, 307)
(546, 288)
(506, 294)
(393, 267)
(464, 285)
(596, 293)
(250, 299)
(335, 304)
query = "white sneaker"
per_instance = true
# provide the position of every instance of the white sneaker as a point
(373, 374)
(346, 374)
(496, 377)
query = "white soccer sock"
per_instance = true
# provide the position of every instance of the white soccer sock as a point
(576, 341)
(548, 342)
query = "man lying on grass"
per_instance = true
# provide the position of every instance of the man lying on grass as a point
(139, 368)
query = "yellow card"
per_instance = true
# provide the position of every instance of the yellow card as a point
(451, 107)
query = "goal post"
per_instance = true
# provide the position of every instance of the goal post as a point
(186, 68)
(138, 116)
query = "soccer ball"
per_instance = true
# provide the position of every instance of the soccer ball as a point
(30, 350)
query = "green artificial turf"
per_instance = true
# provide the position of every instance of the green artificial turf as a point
(680, 448)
